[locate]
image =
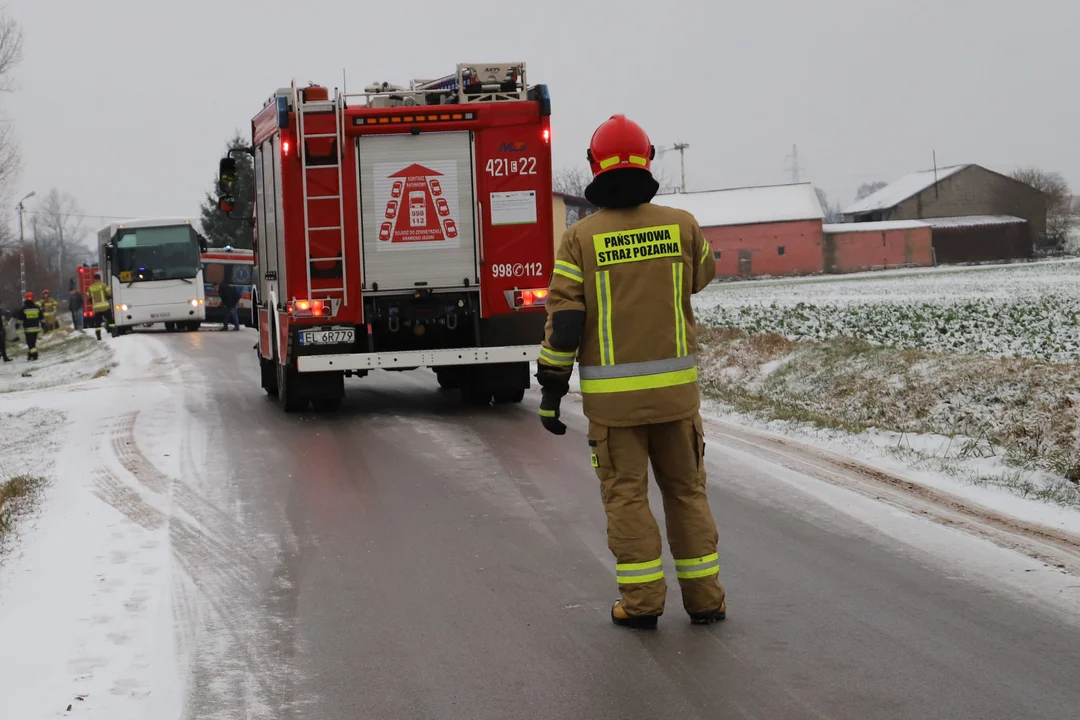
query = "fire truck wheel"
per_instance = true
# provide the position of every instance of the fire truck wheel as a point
(288, 398)
(509, 396)
(475, 395)
(268, 376)
(170, 327)
(326, 404)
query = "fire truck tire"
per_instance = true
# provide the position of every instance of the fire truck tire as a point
(505, 397)
(476, 395)
(326, 404)
(268, 376)
(288, 398)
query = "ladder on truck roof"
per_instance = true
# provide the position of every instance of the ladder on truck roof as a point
(309, 172)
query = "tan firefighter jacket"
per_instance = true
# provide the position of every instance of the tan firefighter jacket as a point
(632, 271)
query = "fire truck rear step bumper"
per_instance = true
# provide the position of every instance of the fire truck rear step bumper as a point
(418, 358)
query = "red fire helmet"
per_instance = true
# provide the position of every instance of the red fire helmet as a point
(620, 143)
(29, 295)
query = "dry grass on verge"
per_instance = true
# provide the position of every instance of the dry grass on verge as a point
(15, 493)
(1024, 411)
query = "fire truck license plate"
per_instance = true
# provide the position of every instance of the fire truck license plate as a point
(328, 337)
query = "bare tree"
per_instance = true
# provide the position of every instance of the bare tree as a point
(58, 233)
(832, 213)
(1061, 214)
(869, 188)
(11, 50)
(571, 180)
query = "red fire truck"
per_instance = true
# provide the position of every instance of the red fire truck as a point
(401, 228)
(85, 277)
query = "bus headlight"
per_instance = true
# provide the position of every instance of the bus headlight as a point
(195, 302)
(122, 307)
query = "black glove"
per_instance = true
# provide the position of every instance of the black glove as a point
(549, 413)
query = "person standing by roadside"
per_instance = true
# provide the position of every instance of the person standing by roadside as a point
(76, 303)
(30, 316)
(230, 300)
(5, 315)
(48, 307)
(100, 296)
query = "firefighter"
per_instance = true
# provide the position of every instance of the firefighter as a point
(30, 316)
(99, 297)
(48, 308)
(619, 305)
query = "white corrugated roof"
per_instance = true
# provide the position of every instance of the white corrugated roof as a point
(874, 226)
(972, 221)
(748, 205)
(897, 192)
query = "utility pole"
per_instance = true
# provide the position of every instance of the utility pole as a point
(681, 147)
(796, 171)
(22, 242)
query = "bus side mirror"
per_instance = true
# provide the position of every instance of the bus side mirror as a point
(226, 175)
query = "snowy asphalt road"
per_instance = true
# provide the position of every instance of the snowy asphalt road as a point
(411, 558)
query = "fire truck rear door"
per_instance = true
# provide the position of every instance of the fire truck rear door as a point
(417, 208)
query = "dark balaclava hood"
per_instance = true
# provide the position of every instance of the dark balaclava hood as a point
(623, 188)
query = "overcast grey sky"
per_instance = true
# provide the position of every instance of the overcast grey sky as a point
(126, 104)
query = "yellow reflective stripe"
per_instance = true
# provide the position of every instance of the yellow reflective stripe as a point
(680, 317)
(705, 247)
(642, 572)
(641, 578)
(690, 568)
(613, 160)
(557, 357)
(642, 382)
(603, 301)
(570, 270)
(547, 413)
(638, 160)
(595, 461)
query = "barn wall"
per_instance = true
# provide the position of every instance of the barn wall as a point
(787, 248)
(855, 251)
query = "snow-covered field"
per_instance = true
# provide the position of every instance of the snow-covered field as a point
(990, 412)
(1026, 310)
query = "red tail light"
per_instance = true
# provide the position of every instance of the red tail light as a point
(308, 308)
(536, 297)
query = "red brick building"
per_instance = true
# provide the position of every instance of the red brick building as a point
(768, 230)
(851, 247)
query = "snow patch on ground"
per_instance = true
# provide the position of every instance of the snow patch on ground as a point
(64, 356)
(85, 596)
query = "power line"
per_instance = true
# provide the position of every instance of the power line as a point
(81, 215)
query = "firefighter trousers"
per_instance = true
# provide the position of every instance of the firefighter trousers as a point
(621, 456)
(31, 343)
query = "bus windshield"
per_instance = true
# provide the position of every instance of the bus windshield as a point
(157, 253)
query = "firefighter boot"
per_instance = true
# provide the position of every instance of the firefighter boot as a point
(97, 332)
(637, 622)
(708, 618)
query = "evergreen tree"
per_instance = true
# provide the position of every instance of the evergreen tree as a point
(220, 229)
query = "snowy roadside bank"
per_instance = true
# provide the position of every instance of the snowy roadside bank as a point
(1001, 433)
(85, 594)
